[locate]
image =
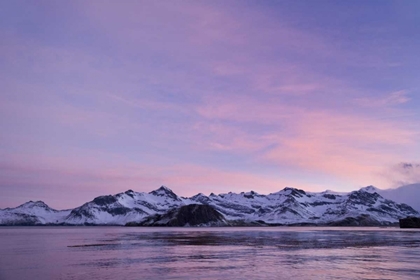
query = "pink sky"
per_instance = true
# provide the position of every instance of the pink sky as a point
(200, 96)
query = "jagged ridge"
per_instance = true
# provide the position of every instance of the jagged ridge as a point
(286, 207)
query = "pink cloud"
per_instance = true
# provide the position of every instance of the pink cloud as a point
(82, 177)
(348, 146)
(191, 79)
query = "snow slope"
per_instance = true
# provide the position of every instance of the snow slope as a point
(125, 207)
(288, 206)
(32, 213)
(408, 194)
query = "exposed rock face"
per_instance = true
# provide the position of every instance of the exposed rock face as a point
(123, 207)
(410, 222)
(31, 214)
(289, 206)
(362, 220)
(19, 219)
(293, 206)
(165, 192)
(187, 215)
(407, 194)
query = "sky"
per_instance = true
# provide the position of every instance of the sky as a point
(98, 97)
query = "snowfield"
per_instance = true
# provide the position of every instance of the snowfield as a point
(286, 207)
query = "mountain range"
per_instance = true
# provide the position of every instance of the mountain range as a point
(408, 194)
(290, 206)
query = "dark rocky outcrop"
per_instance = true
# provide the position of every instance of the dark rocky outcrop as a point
(361, 220)
(104, 200)
(410, 222)
(162, 207)
(20, 219)
(187, 215)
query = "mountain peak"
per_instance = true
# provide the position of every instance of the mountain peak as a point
(31, 204)
(293, 191)
(165, 191)
(198, 195)
(165, 188)
(288, 206)
(369, 189)
(162, 189)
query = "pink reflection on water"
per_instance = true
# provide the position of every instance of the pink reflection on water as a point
(208, 253)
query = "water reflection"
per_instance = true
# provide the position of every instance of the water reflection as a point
(281, 253)
(285, 240)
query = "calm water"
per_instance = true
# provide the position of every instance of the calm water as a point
(210, 253)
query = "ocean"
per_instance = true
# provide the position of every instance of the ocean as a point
(209, 253)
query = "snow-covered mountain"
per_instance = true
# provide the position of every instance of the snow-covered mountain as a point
(32, 213)
(286, 207)
(408, 194)
(125, 207)
(291, 206)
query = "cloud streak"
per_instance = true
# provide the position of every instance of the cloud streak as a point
(403, 173)
(202, 95)
(392, 99)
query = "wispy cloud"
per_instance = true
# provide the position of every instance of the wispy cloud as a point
(349, 146)
(391, 99)
(81, 177)
(203, 95)
(403, 173)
